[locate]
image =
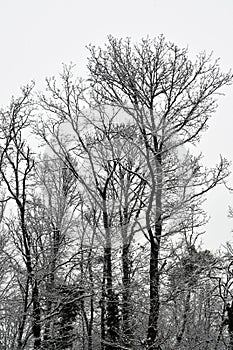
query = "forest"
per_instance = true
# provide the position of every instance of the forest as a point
(101, 209)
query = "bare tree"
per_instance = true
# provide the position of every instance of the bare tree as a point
(16, 174)
(170, 99)
(101, 242)
(98, 153)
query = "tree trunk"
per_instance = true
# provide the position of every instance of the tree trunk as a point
(185, 318)
(90, 325)
(50, 287)
(230, 325)
(155, 240)
(154, 298)
(103, 311)
(111, 314)
(127, 332)
(112, 321)
(23, 321)
(36, 323)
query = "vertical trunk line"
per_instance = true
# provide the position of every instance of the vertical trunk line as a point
(126, 295)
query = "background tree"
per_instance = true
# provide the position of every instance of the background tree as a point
(16, 174)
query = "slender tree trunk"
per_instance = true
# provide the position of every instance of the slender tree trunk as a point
(50, 287)
(110, 315)
(36, 325)
(103, 311)
(88, 322)
(90, 325)
(230, 325)
(185, 318)
(112, 321)
(155, 240)
(23, 321)
(154, 298)
(109, 306)
(126, 295)
(36, 321)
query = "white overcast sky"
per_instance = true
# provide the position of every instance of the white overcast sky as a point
(37, 36)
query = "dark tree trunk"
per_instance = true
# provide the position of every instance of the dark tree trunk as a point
(154, 298)
(112, 304)
(109, 305)
(103, 311)
(36, 321)
(126, 295)
(230, 325)
(88, 321)
(24, 316)
(110, 298)
(36, 325)
(90, 325)
(155, 240)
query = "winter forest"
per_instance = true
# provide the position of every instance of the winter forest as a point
(101, 207)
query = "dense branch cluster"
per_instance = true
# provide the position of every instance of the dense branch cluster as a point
(99, 239)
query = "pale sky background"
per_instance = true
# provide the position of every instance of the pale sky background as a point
(37, 36)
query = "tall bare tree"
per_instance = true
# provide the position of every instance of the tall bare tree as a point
(170, 99)
(101, 158)
(16, 173)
